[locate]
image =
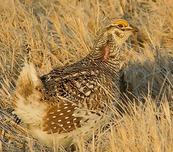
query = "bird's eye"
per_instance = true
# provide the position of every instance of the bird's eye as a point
(120, 25)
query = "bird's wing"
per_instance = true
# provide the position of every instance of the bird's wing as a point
(72, 85)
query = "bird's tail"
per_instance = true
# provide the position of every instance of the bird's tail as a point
(29, 84)
(28, 95)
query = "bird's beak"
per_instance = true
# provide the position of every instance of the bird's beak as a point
(134, 28)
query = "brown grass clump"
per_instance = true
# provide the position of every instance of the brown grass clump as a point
(60, 32)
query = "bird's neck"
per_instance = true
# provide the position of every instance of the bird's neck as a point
(105, 54)
(109, 62)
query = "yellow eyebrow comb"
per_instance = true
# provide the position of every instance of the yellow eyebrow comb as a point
(122, 22)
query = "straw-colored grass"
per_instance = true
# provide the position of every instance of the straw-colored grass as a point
(60, 32)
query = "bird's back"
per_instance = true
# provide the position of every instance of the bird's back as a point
(80, 84)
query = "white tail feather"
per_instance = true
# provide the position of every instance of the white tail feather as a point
(27, 96)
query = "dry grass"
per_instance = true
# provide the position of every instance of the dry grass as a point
(60, 32)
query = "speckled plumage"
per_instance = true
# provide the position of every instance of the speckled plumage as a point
(72, 100)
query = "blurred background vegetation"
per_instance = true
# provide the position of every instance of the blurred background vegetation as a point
(61, 32)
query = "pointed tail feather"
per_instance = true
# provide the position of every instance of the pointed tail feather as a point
(28, 95)
(28, 81)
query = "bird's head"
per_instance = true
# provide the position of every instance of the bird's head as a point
(112, 38)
